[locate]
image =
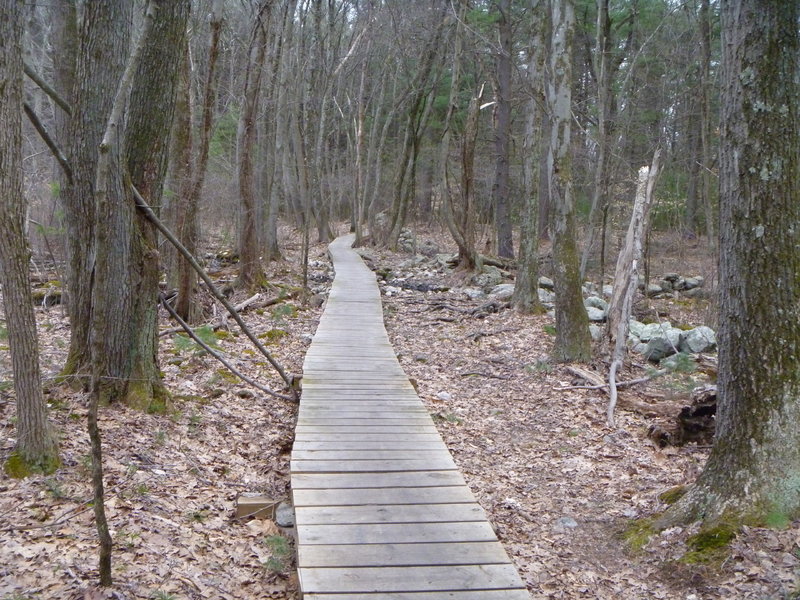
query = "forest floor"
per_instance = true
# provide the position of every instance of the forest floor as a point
(559, 485)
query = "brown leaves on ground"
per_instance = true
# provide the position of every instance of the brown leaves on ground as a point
(171, 479)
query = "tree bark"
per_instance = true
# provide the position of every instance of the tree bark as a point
(753, 473)
(251, 268)
(103, 45)
(502, 147)
(526, 288)
(36, 448)
(573, 342)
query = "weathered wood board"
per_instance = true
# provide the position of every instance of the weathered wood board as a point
(382, 512)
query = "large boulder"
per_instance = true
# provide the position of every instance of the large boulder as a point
(699, 339)
(488, 278)
(546, 283)
(546, 296)
(596, 302)
(651, 330)
(504, 291)
(664, 345)
(596, 315)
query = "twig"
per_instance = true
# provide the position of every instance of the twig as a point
(190, 332)
(620, 384)
(48, 139)
(481, 374)
(46, 88)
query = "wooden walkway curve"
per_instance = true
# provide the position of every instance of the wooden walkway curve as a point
(382, 511)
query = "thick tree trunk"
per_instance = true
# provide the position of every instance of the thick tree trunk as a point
(573, 342)
(125, 295)
(754, 467)
(36, 445)
(104, 38)
(502, 147)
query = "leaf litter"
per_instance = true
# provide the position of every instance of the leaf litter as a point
(558, 485)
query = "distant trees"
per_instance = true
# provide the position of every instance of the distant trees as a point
(753, 472)
(36, 448)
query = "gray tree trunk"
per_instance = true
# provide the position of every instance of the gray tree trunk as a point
(502, 134)
(754, 468)
(36, 446)
(573, 342)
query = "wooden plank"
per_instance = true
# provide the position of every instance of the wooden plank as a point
(346, 497)
(434, 463)
(395, 533)
(397, 555)
(515, 594)
(409, 421)
(316, 436)
(366, 429)
(401, 513)
(327, 481)
(372, 446)
(339, 455)
(409, 579)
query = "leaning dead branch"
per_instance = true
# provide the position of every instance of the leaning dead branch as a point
(190, 332)
(142, 205)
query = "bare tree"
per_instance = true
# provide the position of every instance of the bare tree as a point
(572, 343)
(36, 448)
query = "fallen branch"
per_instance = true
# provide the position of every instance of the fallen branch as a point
(190, 332)
(142, 205)
(481, 374)
(597, 383)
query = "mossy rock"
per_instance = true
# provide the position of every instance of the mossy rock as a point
(223, 334)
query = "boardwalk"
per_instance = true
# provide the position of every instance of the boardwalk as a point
(382, 510)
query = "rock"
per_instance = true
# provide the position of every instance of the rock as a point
(596, 332)
(666, 285)
(546, 296)
(653, 289)
(564, 524)
(444, 396)
(428, 248)
(489, 277)
(546, 283)
(697, 292)
(608, 290)
(391, 290)
(640, 348)
(417, 260)
(504, 291)
(651, 330)
(664, 345)
(596, 302)
(284, 515)
(175, 361)
(245, 394)
(473, 293)
(699, 339)
(596, 315)
(423, 358)
(635, 328)
(694, 282)
(447, 260)
(671, 277)
(317, 300)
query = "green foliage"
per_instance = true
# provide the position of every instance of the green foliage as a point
(3, 333)
(17, 467)
(223, 138)
(282, 311)
(205, 334)
(549, 329)
(279, 547)
(273, 335)
(162, 595)
(679, 363)
(777, 519)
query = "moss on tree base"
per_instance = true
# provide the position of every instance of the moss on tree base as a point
(17, 467)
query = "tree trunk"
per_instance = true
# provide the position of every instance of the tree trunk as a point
(251, 268)
(36, 448)
(526, 288)
(573, 342)
(753, 471)
(500, 189)
(125, 294)
(104, 38)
